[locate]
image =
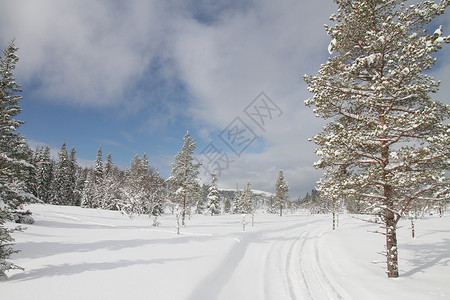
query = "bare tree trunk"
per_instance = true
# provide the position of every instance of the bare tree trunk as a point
(413, 233)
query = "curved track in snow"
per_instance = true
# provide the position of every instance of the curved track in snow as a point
(279, 262)
(316, 282)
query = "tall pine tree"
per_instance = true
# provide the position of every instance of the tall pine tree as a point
(246, 200)
(14, 156)
(63, 183)
(183, 179)
(281, 197)
(110, 185)
(387, 142)
(89, 190)
(97, 173)
(44, 174)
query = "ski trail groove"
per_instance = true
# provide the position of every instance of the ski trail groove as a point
(304, 236)
(289, 272)
(215, 282)
(283, 263)
(317, 282)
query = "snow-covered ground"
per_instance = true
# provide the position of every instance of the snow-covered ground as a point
(75, 253)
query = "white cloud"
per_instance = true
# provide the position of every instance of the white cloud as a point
(86, 52)
(267, 48)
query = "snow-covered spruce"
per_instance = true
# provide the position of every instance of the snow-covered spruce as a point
(15, 157)
(213, 198)
(281, 198)
(183, 181)
(63, 183)
(245, 201)
(387, 144)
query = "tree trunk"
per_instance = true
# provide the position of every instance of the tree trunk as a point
(334, 220)
(334, 213)
(413, 233)
(337, 220)
(391, 236)
(183, 213)
(390, 220)
(391, 249)
(178, 222)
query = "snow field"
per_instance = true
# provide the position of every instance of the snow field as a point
(75, 253)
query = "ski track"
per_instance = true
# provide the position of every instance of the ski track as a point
(285, 261)
(215, 282)
(317, 284)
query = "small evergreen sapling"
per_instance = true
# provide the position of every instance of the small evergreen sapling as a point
(213, 202)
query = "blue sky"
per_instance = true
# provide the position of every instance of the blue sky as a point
(134, 76)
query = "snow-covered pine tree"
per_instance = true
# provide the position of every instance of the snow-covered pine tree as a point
(213, 198)
(143, 189)
(97, 173)
(63, 183)
(87, 196)
(29, 174)
(235, 204)
(149, 185)
(110, 185)
(109, 164)
(81, 176)
(271, 209)
(387, 142)
(246, 200)
(72, 177)
(44, 174)
(13, 156)
(132, 192)
(98, 166)
(158, 194)
(197, 199)
(227, 206)
(37, 154)
(281, 197)
(183, 179)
